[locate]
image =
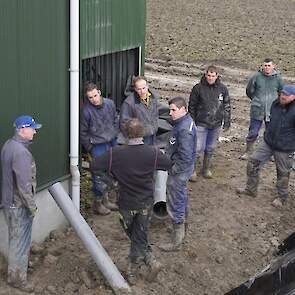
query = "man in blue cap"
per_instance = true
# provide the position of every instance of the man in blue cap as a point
(18, 190)
(279, 141)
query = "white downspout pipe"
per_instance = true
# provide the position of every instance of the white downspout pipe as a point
(74, 101)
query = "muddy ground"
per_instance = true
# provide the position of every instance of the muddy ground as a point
(230, 238)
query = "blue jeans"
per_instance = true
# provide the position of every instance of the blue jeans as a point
(206, 139)
(101, 182)
(254, 128)
(177, 197)
(19, 222)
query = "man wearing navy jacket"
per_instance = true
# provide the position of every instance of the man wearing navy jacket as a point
(279, 141)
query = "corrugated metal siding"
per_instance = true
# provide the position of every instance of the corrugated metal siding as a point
(34, 77)
(111, 26)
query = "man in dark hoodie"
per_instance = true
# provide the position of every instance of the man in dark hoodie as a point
(98, 132)
(209, 106)
(262, 89)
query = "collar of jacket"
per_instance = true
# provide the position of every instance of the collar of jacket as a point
(274, 73)
(137, 98)
(204, 81)
(20, 139)
(135, 141)
(179, 120)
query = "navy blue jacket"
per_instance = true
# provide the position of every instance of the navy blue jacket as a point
(182, 145)
(98, 124)
(280, 133)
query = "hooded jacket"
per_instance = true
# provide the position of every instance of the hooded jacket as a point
(209, 105)
(263, 90)
(18, 174)
(98, 124)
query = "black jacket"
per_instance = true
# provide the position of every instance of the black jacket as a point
(209, 105)
(133, 166)
(280, 132)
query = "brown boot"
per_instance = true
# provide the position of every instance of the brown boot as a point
(194, 175)
(111, 206)
(99, 208)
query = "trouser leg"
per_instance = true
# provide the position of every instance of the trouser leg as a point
(256, 160)
(283, 165)
(19, 224)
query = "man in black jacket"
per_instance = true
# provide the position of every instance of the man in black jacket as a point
(133, 165)
(209, 106)
(279, 141)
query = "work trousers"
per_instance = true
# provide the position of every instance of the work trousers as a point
(177, 197)
(283, 163)
(136, 224)
(19, 222)
(102, 182)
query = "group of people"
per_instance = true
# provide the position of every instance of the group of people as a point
(123, 147)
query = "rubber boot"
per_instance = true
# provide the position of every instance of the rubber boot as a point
(132, 275)
(194, 175)
(111, 206)
(245, 191)
(249, 150)
(206, 166)
(177, 238)
(99, 208)
(154, 267)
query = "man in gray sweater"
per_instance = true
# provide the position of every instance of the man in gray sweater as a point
(18, 190)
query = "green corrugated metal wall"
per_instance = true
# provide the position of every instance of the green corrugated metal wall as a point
(34, 77)
(34, 53)
(111, 26)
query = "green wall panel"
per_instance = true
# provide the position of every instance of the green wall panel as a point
(111, 26)
(34, 78)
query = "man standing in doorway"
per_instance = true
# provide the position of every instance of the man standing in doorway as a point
(279, 141)
(98, 133)
(142, 103)
(262, 89)
(182, 151)
(209, 106)
(18, 190)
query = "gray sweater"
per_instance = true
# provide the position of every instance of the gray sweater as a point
(18, 174)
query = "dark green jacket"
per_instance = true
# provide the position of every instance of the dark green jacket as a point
(263, 90)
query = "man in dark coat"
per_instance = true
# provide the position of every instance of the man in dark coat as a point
(279, 141)
(133, 166)
(209, 106)
(182, 151)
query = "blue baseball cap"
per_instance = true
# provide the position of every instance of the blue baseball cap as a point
(25, 121)
(288, 89)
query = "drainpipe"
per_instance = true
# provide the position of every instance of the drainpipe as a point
(74, 102)
(97, 252)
